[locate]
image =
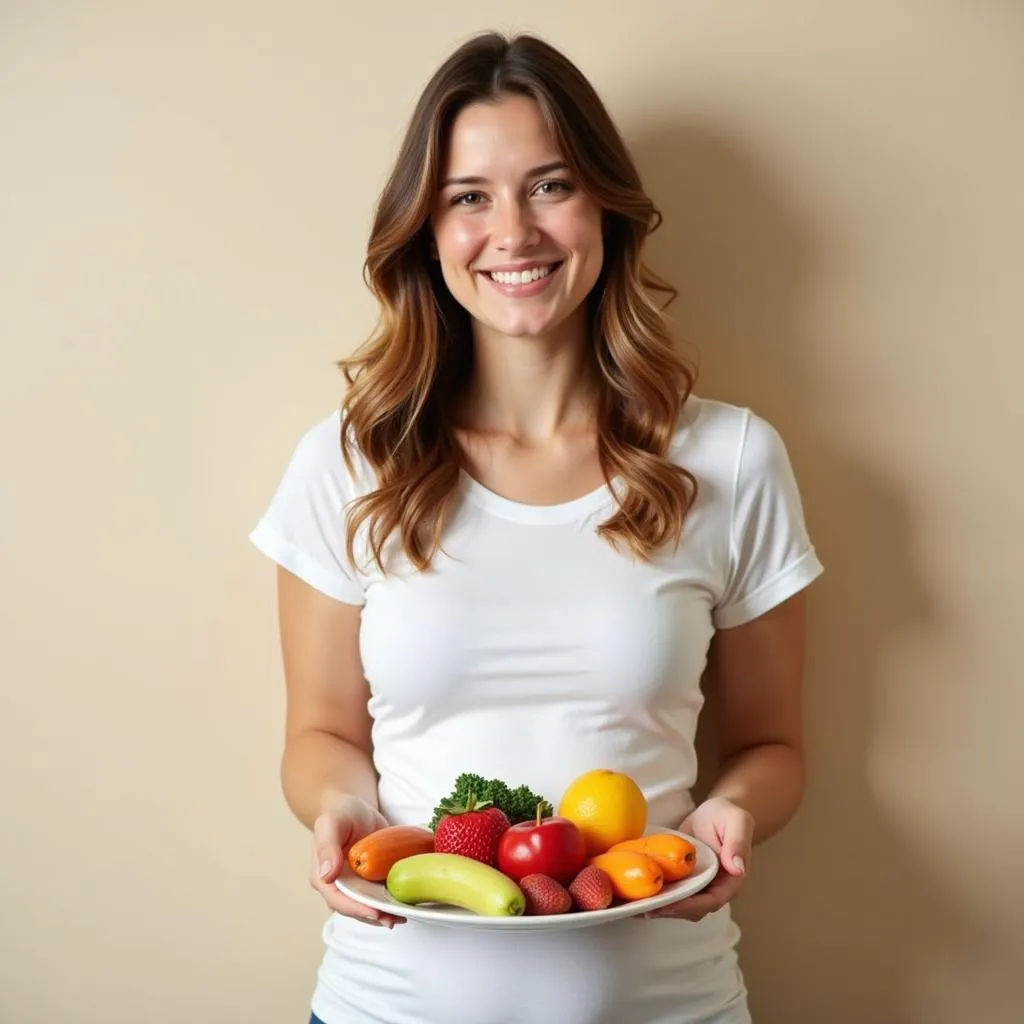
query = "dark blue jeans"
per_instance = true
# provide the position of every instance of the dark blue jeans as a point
(314, 1019)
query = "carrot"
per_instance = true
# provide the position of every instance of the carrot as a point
(374, 855)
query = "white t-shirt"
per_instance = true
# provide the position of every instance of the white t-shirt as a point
(532, 651)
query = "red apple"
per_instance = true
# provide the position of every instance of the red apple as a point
(546, 846)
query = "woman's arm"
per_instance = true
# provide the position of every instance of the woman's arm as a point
(757, 678)
(327, 753)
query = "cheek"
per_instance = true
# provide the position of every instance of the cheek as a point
(579, 229)
(458, 242)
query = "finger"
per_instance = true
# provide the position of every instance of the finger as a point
(686, 826)
(693, 908)
(327, 850)
(713, 898)
(331, 839)
(738, 842)
(342, 904)
(736, 848)
(379, 822)
(723, 888)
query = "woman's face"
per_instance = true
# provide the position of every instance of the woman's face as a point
(520, 245)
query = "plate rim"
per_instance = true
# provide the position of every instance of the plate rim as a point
(455, 917)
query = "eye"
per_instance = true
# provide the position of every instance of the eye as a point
(555, 187)
(467, 199)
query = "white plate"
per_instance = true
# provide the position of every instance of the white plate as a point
(376, 895)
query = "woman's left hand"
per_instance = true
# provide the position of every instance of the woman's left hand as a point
(729, 830)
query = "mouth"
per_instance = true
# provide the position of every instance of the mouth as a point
(523, 283)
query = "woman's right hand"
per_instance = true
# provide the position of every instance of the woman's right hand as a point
(347, 820)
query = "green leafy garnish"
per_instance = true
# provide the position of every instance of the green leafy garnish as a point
(519, 804)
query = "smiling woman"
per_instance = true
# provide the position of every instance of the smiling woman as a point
(511, 163)
(510, 551)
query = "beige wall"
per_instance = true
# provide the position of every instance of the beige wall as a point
(184, 196)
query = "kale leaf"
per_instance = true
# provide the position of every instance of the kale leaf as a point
(519, 804)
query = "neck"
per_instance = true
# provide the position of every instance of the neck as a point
(531, 389)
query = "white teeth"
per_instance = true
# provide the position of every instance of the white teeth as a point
(520, 277)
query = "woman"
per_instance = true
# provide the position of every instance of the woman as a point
(510, 552)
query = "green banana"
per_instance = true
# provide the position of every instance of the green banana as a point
(453, 879)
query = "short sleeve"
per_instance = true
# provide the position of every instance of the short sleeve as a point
(303, 528)
(771, 556)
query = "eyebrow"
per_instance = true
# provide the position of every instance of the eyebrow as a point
(534, 172)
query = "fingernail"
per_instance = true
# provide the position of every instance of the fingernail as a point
(325, 868)
(738, 861)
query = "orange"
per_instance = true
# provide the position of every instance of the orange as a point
(634, 876)
(675, 855)
(608, 807)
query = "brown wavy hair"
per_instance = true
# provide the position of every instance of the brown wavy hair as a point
(404, 381)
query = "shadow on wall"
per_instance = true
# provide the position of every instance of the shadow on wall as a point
(838, 917)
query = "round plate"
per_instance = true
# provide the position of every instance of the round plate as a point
(376, 895)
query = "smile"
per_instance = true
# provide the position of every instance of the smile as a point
(522, 283)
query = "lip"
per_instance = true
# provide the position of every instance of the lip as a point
(522, 291)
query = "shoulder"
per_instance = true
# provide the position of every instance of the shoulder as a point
(319, 450)
(718, 433)
(730, 449)
(320, 443)
(317, 462)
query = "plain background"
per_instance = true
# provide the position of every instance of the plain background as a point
(185, 194)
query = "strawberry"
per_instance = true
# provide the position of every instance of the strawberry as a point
(544, 895)
(472, 830)
(591, 889)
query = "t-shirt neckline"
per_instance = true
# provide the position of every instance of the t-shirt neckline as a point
(537, 515)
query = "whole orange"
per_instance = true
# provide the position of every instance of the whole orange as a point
(607, 806)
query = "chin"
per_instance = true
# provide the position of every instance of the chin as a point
(525, 326)
(521, 330)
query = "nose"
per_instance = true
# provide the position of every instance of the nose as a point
(513, 226)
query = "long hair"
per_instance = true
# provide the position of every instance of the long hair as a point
(403, 381)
